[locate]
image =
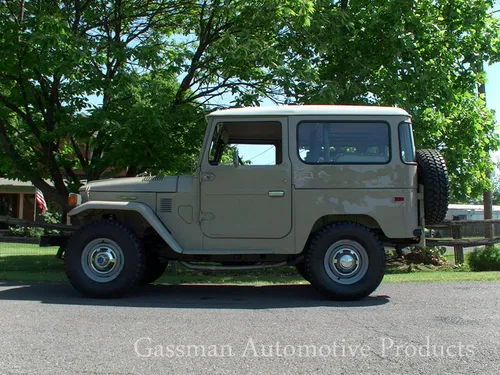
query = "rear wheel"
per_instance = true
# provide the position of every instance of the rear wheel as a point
(345, 261)
(104, 259)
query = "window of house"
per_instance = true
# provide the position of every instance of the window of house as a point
(8, 205)
(257, 143)
(344, 142)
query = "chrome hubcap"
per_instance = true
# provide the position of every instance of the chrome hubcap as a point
(102, 260)
(346, 262)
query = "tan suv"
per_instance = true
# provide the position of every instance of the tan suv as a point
(323, 188)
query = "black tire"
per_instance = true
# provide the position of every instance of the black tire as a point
(330, 251)
(154, 269)
(104, 259)
(302, 271)
(433, 175)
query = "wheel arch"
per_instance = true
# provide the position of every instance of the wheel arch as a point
(138, 216)
(366, 220)
(325, 220)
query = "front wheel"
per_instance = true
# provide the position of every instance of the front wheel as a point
(345, 261)
(104, 259)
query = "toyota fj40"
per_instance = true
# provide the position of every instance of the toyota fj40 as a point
(338, 184)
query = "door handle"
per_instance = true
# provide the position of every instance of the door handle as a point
(276, 193)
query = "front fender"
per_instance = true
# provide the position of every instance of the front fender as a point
(144, 210)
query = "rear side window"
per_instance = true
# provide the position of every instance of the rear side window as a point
(406, 143)
(344, 142)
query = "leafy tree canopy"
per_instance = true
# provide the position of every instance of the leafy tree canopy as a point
(155, 64)
(425, 56)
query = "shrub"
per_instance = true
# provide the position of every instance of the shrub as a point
(19, 231)
(426, 255)
(37, 232)
(51, 218)
(485, 260)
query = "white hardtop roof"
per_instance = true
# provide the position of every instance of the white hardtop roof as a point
(309, 110)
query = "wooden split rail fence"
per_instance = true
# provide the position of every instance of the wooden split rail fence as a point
(36, 224)
(458, 242)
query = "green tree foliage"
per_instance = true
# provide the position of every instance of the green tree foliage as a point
(57, 54)
(487, 259)
(146, 132)
(154, 65)
(425, 56)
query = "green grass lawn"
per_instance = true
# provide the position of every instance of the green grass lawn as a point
(21, 262)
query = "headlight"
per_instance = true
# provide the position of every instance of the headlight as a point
(84, 193)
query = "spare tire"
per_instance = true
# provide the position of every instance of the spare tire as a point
(433, 175)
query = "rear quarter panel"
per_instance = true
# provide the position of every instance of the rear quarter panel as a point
(354, 189)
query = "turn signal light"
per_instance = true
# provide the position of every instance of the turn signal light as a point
(74, 199)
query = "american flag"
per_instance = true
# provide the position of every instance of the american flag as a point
(40, 200)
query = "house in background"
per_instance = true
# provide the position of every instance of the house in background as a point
(469, 212)
(17, 200)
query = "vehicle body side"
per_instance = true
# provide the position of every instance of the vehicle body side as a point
(268, 209)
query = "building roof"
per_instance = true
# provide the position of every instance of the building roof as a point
(472, 207)
(14, 183)
(308, 110)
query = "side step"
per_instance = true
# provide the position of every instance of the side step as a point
(199, 267)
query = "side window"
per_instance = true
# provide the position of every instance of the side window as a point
(257, 143)
(406, 143)
(251, 154)
(344, 142)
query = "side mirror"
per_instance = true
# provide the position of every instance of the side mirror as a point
(236, 158)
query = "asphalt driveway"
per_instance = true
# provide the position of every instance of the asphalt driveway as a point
(440, 328)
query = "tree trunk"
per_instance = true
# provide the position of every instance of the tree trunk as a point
(489, 229)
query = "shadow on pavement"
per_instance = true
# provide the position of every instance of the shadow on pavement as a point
(199, 296)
